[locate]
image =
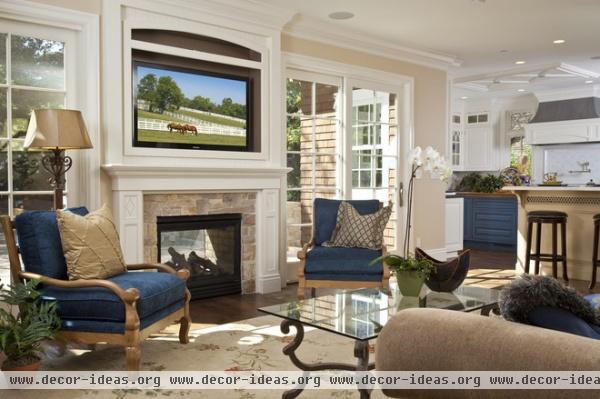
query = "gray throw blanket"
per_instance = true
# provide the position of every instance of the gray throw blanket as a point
(528, 292)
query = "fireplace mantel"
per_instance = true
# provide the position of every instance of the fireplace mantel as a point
(131, 182)
(162, 178)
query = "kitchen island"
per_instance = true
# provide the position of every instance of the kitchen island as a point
(580, 203)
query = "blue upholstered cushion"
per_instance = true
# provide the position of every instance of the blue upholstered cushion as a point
(118, 327)
(39, 242)
(342, 262)
(562, 320)
(342, 277)
(325, 215)
(157, 291)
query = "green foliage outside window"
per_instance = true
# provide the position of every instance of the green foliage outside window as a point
(293, 132)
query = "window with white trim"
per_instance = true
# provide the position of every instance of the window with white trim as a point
(33, 74)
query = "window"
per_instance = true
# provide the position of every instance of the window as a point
(313, 127)
(32, 75)
(520, 155)
(477, 119)
(520, 152)
(370, 128)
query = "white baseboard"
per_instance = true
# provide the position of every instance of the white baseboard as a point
(269, 284)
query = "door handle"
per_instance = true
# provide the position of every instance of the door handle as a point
(401, 194)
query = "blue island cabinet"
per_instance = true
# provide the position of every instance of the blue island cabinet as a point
(491, 223)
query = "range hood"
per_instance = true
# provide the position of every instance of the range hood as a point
(567, 110)
(570, 119)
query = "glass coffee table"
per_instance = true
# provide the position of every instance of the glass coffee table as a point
(361, 314)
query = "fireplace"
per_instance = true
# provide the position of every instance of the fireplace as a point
(209, 246)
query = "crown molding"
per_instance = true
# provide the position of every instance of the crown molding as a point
(312, 29)
(249, 12)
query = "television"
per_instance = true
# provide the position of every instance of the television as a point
(176, 107)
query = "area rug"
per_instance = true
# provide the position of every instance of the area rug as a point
(254, 344)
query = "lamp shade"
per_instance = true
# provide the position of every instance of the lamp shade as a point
(51, 129)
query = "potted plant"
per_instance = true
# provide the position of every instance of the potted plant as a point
(409, 271)
(21, 335)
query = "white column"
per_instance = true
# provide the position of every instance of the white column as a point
(268, 278)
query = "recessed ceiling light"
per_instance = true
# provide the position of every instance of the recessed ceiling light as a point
(519, 62)
(559, 41)
(340, 15)
(464, 97)
(589, 81)
(504, 51)
(520, 90)
(596, 57)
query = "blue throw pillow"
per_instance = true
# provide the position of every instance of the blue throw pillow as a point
(39, 242)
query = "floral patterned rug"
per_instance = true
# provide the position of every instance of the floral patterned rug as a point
(254, 344)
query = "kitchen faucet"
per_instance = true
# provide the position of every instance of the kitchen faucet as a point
(585, 168)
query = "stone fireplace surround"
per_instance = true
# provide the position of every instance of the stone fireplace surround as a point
(182, 204)
(141, 193)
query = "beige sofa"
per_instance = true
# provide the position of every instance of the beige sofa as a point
(434, 339)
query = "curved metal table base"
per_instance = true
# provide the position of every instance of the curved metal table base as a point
(361, 352)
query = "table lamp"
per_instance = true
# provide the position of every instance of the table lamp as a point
(56, 130)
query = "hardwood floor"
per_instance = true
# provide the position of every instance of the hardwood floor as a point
(492, 259)
(489, 269)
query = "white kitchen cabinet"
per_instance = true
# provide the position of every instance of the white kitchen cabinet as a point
(456, 143)
(454, 224)
(479, 149)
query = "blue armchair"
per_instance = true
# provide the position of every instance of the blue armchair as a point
(121, 310)
(331, 267)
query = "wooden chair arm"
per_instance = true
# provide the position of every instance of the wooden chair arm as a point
(129, 296)
(386, 268)
(302, 253)
(182, 274)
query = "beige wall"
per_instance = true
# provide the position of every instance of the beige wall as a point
(430, 125)
(91, 6)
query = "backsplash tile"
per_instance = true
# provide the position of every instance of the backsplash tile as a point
(567, 157)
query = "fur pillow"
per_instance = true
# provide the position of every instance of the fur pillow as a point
(353, 230)
(90, 244)
(528, 292)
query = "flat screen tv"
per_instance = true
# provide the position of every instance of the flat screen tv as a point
(190, 109)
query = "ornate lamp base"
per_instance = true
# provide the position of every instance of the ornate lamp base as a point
(57, 164)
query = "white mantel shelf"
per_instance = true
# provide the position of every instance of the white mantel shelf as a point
(550, 188)
(162, 178)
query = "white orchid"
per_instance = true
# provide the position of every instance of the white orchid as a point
(414, 157)
(429, 160)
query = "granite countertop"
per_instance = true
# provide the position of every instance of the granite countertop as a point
(464, 194)
(551, 188)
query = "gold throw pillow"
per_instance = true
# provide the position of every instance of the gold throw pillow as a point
(90, 244)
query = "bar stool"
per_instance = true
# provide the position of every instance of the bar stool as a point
(595, 262)
(547, 217)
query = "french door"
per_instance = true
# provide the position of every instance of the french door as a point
(343, 141)
(373, 168)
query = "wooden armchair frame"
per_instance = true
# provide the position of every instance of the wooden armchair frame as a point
(304, 283)
(132, 336)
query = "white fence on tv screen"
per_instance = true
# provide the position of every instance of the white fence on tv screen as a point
(206, 128)
(233, 118)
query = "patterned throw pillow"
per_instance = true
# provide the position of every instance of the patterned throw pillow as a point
(354, 230)
(90, 244)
